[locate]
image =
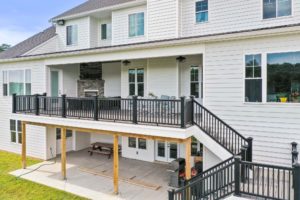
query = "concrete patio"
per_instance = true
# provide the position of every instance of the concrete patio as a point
(91, 177)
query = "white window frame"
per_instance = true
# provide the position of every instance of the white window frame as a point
(73, 43)
(198, 68)
(136, 83)
(254, 78)
(16, 131)
(277, 17)
(24, 80)
(108, 31)
(137, 143)
(136, 25)
(195, 7)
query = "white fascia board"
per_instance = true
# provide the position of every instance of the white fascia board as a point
(176, 133)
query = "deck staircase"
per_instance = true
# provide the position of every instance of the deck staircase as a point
(236, 174)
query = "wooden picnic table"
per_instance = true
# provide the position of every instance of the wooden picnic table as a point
(103, 148)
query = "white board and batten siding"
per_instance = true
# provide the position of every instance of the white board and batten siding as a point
(234, 15)
(36, 136)
(272, 125)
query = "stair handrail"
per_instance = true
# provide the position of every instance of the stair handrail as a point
(244, 140)
(211, 169)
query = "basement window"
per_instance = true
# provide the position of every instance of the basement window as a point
(16, 131)
(132, 142)
(69, 133)
(142, 143)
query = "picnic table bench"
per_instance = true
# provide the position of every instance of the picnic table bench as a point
(103, 148)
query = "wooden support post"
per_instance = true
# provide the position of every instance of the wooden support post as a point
(63, 153)
(188, 154)
(116, 164)
(23, 145)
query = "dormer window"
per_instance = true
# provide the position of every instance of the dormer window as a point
(105, 31)
(276, 8)
(72, 35)
(136, 24)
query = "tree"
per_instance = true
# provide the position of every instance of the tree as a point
(4, 47)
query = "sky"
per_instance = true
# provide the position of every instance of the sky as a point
(20, 19)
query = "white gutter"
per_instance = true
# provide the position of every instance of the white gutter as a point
(165, 43)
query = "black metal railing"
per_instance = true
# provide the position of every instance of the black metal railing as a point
(239, 177)
(211, 170)
(220, 131)
(212, 186)
(175, 112)
(266, 181)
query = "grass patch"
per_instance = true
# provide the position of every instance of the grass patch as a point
(12, 188)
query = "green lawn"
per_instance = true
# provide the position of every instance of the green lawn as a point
(12, 188)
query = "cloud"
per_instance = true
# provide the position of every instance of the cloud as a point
(13, 36)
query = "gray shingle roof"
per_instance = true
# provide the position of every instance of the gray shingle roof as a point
(91, 5)
(28, 44)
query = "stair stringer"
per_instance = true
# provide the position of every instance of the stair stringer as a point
(210, 143)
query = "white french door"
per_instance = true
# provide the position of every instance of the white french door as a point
(166, 151)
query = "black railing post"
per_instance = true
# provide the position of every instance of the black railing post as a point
(45, 101)
(36, 104)
(14, 103)
(237, 178)
(296, 177)
(63, 106)
(294, 157)
(250, 149)
(171, 194)
(134, 109)
(182, 106)
(192, 109)
(243, 158)
(96, 108)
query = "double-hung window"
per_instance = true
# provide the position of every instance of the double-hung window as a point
(201, 11)
(72, 35)
(142, 143)
(195, 81)
(15, 131)
(69, 133)
(276, 8)
(16, 82)
(283, 77)
(105, 31)
(136, 24)
(136, 82)
(253, 78)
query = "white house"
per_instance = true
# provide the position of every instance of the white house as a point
(239, 59)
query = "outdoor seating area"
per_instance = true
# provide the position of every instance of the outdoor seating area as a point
(103, 148)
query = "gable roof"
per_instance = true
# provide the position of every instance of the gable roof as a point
(29, 44)
(91, 5)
